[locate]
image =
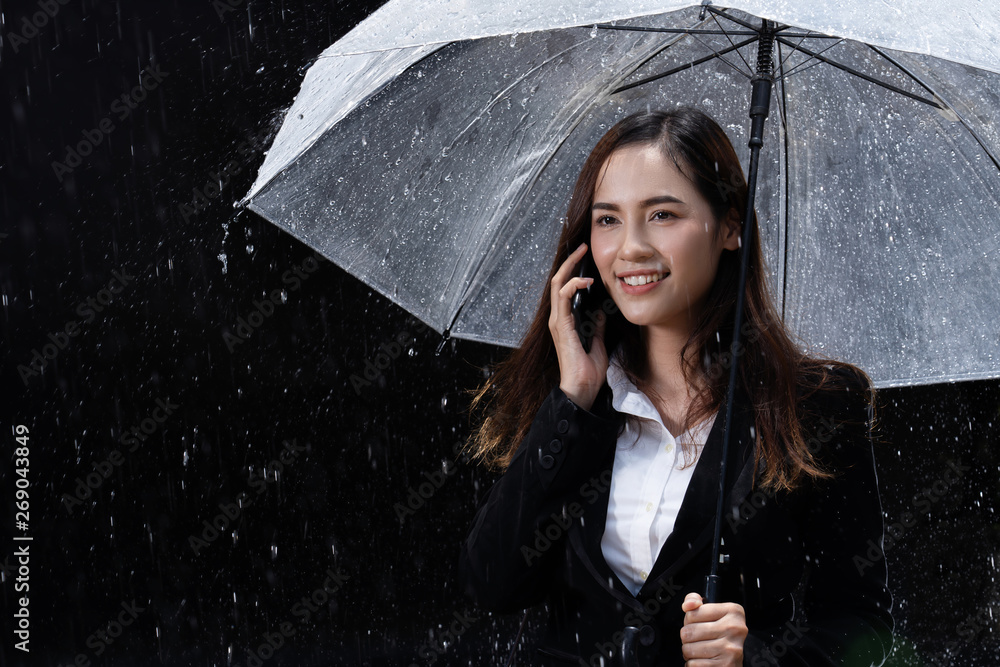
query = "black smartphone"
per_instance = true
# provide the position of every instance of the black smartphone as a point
(586, 303)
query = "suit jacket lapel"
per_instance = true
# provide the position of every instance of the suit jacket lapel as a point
(587, 541)
(695, 522)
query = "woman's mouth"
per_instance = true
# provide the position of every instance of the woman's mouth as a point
(640, 284)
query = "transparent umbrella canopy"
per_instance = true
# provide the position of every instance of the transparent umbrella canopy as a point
(432, 151)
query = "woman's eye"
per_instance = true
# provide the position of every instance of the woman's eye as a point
(604, 219)
(667, 215)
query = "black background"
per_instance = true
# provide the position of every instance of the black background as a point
(230, 72)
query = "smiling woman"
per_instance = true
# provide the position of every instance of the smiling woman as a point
(659, 202)
(658, 255)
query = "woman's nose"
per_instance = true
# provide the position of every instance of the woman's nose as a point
(634, 244)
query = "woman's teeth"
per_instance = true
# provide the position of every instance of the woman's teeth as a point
(636, 281)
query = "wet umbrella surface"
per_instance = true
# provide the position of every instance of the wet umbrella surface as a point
(235, 452)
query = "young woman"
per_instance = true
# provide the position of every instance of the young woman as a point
(611, 458)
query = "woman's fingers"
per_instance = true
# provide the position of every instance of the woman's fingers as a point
(712, 632)
(714, 654)
(564, 286)
(574, 284)
(581, 374)
(720, 651)
(565, 272)
(691, 602)
(563, 280)
(715, 625)
(561, 321)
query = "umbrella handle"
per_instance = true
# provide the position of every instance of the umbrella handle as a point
(628, 654)
(711, 588)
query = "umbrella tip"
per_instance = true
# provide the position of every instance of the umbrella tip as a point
(444, 339)
(704, 8)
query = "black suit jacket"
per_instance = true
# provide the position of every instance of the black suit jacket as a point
(807, 566)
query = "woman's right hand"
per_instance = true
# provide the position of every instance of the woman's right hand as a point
(581, 374)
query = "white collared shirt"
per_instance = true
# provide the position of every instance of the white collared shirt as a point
(647, 486)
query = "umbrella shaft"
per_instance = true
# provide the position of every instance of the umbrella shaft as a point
(760, 104)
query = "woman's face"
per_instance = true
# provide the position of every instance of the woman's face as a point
(648, 221)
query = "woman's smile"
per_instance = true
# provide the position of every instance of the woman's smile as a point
(640, 284)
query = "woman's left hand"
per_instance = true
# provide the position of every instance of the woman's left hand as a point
(713, 634)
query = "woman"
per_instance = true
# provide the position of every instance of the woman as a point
(607, 517)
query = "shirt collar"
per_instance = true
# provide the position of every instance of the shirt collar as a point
(627, 398)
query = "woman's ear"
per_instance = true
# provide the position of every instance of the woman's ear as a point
(732, 230)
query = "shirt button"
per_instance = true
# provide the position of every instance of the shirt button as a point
(644, 574)
(555, 446)
(649, 507)
(669, 448)
(562, 426)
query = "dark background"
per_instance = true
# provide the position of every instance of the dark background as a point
(230, 72)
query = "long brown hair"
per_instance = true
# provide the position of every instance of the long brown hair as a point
(772, 370)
